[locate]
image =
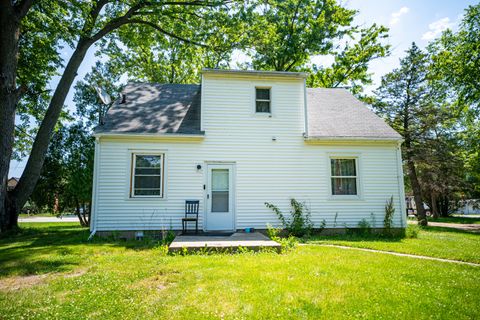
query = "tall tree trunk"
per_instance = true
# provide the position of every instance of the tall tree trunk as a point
(417, 193)
(30, 175)
(444, 205)
(434, 205)
(9, 94)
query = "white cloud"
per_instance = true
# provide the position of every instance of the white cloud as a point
(437, 27)
(396, 15)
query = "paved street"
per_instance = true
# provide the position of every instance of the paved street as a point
(69, 218)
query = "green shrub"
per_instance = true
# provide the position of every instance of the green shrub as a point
(272, 232)
(412, 231)
(288, 243)
(299, 223)
(168, 237)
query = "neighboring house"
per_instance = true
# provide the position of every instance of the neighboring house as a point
(469, 206)
(12, 183)
(239, 140)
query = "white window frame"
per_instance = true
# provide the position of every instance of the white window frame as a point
(132, 174)
(357, 177)
(262, 100)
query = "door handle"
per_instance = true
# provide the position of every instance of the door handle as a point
(208, 196)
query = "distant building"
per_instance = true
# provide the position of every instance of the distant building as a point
(469, 206)
(12, 183)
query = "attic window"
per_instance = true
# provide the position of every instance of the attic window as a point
(262, 100)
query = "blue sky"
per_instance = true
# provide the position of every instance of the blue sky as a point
(419, 21)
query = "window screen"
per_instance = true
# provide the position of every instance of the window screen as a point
(147, 175)
(344, 176)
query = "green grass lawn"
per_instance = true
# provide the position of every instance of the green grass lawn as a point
(436, 242)
(50, 271)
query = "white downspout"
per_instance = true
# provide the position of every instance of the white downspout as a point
(401, 186)
(305, 134)
(93, 217)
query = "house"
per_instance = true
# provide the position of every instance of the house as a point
(12, 183)
(469, 206)
(238, 140)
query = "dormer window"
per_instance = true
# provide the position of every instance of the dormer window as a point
(262, 100)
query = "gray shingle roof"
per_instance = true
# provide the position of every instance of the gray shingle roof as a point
(155, 109)
(337, 113)
(175, 109)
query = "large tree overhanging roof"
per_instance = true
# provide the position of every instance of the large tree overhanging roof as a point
(163, 109)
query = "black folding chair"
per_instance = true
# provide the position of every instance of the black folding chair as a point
(191, 214)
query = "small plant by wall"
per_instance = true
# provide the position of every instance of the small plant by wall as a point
(364, 227)
(299, 224)
(389, 212)
(287, 243)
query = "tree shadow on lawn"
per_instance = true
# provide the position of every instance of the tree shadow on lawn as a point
(47, 249)
(461, 220)
(356, 237)
(451, 230)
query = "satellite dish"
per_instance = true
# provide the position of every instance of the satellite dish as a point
(103, 95)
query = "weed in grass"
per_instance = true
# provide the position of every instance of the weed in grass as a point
(287, 243)
(412, 231)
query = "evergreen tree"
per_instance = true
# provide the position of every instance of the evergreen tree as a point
(404, 99)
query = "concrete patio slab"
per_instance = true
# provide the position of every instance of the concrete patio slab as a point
(252, 241)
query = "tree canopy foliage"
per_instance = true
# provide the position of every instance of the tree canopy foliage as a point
(433, 101)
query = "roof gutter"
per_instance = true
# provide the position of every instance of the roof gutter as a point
(149, 135)
(348, 139)
(305, 110)
(284, 74)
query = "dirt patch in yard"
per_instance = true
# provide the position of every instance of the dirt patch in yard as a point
(17, 283)
(23, 282)
(78, 273)
(157, 283)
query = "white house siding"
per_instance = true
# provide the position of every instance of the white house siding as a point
(266, 170)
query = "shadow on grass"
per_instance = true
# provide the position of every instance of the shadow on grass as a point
(353, 237)
(451, 230)
(41, 249)
(356, 237)
(462, 220)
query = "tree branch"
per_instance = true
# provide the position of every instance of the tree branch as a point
(197, 3)
(158, 28)
(90, 24)
(22, 8)
(117, 22)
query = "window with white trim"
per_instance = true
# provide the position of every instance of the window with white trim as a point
(147, 175)
(344, 176)
(262, 100)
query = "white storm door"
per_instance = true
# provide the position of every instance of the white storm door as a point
(220, 197)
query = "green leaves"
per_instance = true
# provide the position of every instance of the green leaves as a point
(286, 33)
(350, 67)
